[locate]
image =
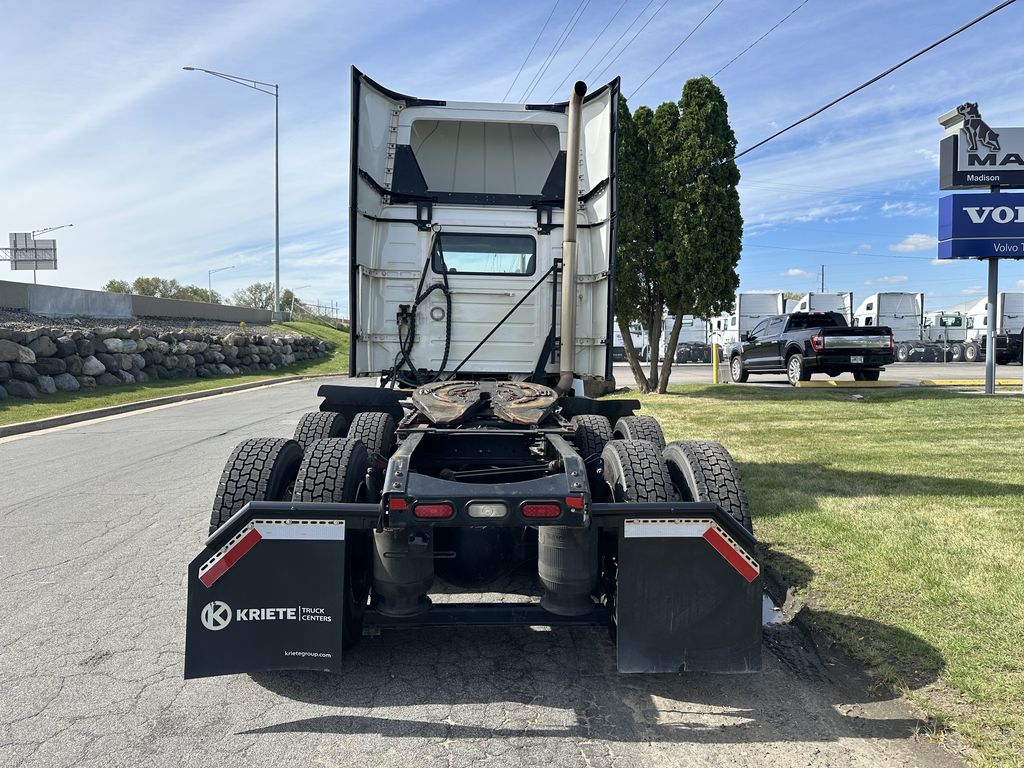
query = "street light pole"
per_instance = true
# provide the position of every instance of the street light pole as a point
(43, 231)
(209, 282)
(256, 85)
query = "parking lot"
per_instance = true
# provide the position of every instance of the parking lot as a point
(94, 557)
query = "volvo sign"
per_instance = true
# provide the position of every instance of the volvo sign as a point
(981, 226)
(973, 155)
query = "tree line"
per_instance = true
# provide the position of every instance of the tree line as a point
(256, 295)
(680, 227)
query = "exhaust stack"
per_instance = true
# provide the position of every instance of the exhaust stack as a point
(567, 353)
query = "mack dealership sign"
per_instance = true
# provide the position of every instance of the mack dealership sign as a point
(979, 226)
(973, 155)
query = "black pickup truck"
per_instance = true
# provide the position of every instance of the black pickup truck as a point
(803, 343)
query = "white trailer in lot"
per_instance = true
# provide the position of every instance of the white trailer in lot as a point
(748, 310)
(693, 344)
(903, 312)
(1009, 326)
(841, 302)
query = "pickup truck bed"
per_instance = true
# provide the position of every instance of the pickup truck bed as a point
(803, 343)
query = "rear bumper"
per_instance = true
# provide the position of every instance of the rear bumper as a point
(266, 591)
(841, 360)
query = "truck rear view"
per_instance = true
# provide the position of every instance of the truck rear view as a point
(482, 269)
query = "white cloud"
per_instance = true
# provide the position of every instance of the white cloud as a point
(974, 289)
(930, 155)
(888, 280)
(1020, 285)
(794, 272)
(916, 242)
(907, 208)
(865, 247)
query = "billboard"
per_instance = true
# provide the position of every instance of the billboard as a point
(980, 226)
(973, 155)
(28, 253)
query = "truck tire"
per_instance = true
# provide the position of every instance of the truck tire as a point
(319, 425)
(866, 375)
(640, 428)
(795, 370)
(334, 471)
(593, 432)
(971, 353)
(902, 353)
(259, 469)
(737, 371)
(377, 431)
(635, 471)
(957, 353)
(703, 471)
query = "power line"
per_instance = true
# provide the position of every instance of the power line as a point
(570, 25)
(839, 253)
(618, 39)
(599, 36)
(634, 37)
(762, 37)
(673, 52)
(877, 77)
(530, 53)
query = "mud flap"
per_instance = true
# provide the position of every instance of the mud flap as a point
(267, 594)
(688, 598)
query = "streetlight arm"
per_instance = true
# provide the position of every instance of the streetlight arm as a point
(49, 229)
(254, 84)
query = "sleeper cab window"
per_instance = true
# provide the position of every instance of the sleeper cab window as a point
(466, 253)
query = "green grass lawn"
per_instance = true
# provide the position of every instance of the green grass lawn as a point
(899, 519)
(13, 410)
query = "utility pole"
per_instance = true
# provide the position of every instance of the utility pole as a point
(822, 278)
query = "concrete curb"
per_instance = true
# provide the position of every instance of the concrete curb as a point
(968, 382)
(851, 384)
(22, 427)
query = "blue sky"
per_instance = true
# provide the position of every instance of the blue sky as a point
(170, 173)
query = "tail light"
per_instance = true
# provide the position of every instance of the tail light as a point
(397, 503)
(541, 510)
(817, 342)
(892, 343)
(574, 502)
(434, 511)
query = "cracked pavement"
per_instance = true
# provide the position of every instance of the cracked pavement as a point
(99, 522)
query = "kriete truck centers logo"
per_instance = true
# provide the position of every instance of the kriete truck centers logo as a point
(216, 615)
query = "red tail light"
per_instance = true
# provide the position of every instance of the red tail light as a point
(541, 510)
(892, 343)
(574, 502)
(817, 342)
(396, 503)
(434, 511)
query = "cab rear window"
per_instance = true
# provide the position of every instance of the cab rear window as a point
(473, 254)
(816, 320)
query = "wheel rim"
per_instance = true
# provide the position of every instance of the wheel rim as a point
(794, 369)
(736, 369)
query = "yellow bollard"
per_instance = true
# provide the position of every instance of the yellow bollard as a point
(714, 364)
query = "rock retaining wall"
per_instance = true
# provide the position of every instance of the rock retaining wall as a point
(44, 361)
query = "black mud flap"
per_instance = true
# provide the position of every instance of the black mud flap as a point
(267, 594)
(688, 597)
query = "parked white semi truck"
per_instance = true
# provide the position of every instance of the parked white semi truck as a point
(482, 270)
(841, 302)
(903, 313)
(636, 333)
(1009, 329)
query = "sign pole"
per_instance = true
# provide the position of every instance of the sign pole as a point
(990, 355)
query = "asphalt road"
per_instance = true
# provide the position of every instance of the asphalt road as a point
(99, 521)
(903, 373)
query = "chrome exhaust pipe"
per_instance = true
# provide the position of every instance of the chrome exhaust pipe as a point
(567, 351)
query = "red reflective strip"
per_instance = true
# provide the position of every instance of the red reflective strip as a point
(541, 510)
(397, 502)
(574, 502)
(434, 510)
(737, 561)
(232, 556)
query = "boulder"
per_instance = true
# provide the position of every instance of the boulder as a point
(46, 385)
(3, 393)
(86, 381)
(66, 346)
(73, 364)
(113, 345)
(43, 346)
(203, 372)
(135, 332)
(128, 346)
(92, 367)
(24, 372)
(161, 371)
(124, 362)
(12, 352)
(138, 361)
(141, 377)
(85, 347)
(108, 380)
(65, 382)
(110, 363)
(187, 361)
(49, 366)
(141, 345)
(225, 370)
(5, 371)
(17, 388)
(125, 377)
(171, 361)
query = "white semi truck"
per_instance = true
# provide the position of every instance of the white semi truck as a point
(749, 309)
(903, 313)
(841, 302)
(481, 247)
(1009, 329)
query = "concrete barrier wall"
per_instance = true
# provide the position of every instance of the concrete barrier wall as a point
(51, 301)
(55, 301)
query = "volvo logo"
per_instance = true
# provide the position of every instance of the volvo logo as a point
(216, 615)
